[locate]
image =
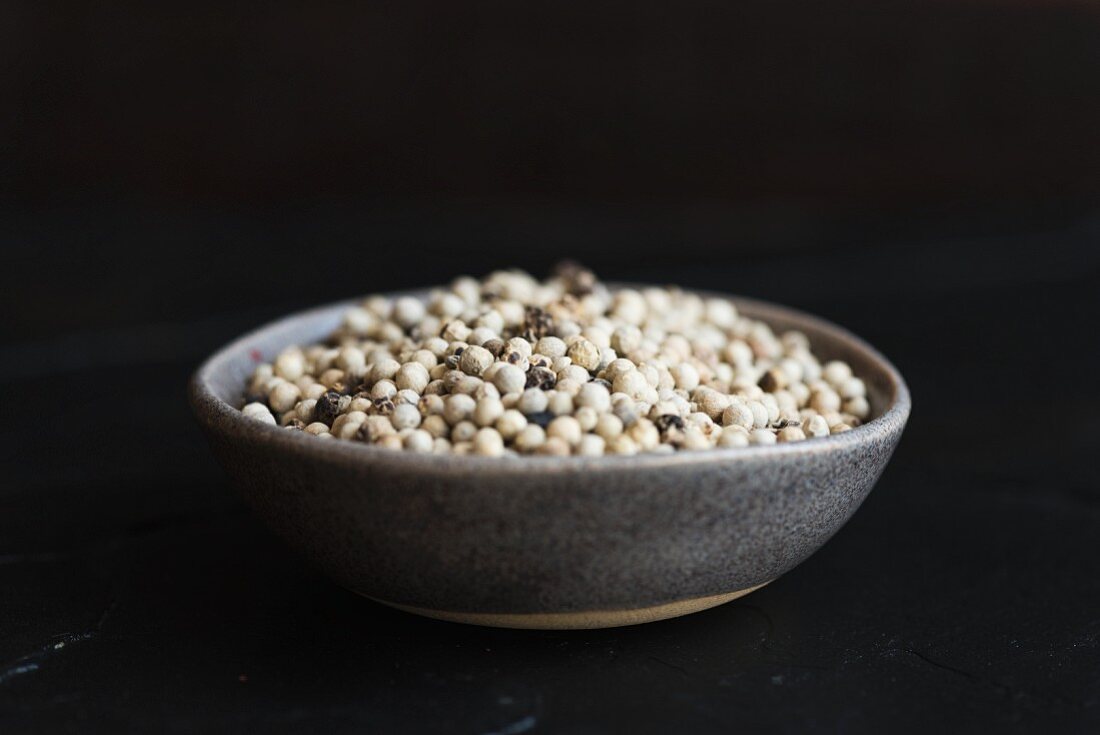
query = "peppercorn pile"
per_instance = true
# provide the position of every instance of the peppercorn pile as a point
(510, 365)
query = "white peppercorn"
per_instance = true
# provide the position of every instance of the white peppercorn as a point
(486, 390)
(359, 403)
(383, 389)
(284, 397)
(685, 375)
(565, 428)
(475, 360)
(631, 383)
(817, 426)
(412, 376)
(480, 335)
(587, 417)
(407, 311)
(694, 439)
(591, 445)
(595, 396)
(390, 441)
(551, 347)
(772, 406)
(426, 358)
(508, 378)
(853, 388)
(463, 431)
(455, 331)
(568, 386)
(739, 414)
(762, 436)
(760, 415)
(345, 428)
(290, 364)
(458, 407)
(554, 446)
(644, 433)
(836, 372)
(609, 426)
(260, 412)
(584, 354)
(530, 438)
(711, 402)
(559, 403)
(510, 423)
(487, 411)
(384, 369)
(488, 443)
(532, 401)
(419, 441)
(790, 434)
(410, 397)
(622, 444)
(824, 399)
(858, 407)
(731, 436)
(617, 367)
(520, 345)
(350, 358)
(574, 373)
(405, 416)
(305, 410)
(436, 425)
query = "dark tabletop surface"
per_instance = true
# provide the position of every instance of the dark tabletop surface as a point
(137, 592)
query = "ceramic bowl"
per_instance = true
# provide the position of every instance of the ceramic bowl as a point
(545, 542)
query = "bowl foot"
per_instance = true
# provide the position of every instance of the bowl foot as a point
(578, 620)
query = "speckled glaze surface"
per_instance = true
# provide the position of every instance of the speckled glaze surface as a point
(545, 535)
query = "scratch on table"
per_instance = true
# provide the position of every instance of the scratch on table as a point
(674, 667)
(30, 557)
(946, 667)
(516, 727)
(769, 630)
(1005, 690)
(32, 661)
(15, 671)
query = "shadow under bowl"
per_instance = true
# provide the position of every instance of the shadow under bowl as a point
(549, 542)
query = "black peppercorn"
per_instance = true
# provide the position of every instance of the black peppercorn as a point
(495, 346)
(542, 418)
(772, 380)
(328, 407)
(382, 407)
(668, 422)
(578, 280)
(537, 323)
(541, 378)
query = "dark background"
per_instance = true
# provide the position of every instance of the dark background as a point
(927, 174)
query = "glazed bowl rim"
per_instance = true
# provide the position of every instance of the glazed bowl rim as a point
(211, 409)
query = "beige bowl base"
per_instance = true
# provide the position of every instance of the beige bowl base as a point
(577, 620)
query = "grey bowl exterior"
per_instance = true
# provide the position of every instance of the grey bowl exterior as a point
(543, 534)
